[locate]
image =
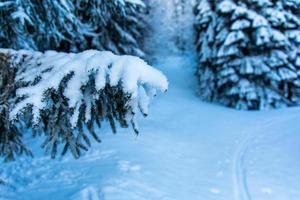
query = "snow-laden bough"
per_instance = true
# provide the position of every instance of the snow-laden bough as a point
(66, 94)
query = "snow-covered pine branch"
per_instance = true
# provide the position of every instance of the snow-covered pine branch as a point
(67, 94)
(248, 51)
(10, 136)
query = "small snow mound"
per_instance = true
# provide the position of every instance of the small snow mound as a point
(88, 193)
(215, 191)
(266, 190)
(125, 166)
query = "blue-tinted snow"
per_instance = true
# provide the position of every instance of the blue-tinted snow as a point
(187, 150)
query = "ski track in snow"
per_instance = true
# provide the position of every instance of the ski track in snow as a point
(241, 190)
(239, 177)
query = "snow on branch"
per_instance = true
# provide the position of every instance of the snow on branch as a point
(68, 93)
(10, 136)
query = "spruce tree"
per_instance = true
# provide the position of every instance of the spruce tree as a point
(72, 25)
(249, 52)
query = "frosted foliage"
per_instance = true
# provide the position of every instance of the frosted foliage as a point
(11, 143)
(65, 95)
(132, 74)
(240, 24)
(227, 6)
(234, 37)
(251, 49)
(73, 25)
(138, 2)
(21, 16)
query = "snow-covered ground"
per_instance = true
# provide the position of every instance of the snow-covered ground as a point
(187, 150)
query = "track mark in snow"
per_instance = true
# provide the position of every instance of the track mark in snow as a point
(239, 178)
(88, 193)
(240, 186)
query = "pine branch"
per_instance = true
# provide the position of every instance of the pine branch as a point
(65, 96)
(10, 136)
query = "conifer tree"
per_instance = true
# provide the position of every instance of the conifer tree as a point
(249, 52)
(72, 25)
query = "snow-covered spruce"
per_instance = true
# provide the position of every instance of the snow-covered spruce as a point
(73, 25)
(68, 94)
(249, 54)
